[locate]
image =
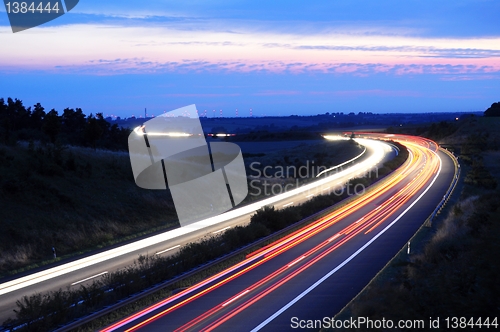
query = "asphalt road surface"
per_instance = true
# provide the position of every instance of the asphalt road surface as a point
(316, 271)
(84, 270)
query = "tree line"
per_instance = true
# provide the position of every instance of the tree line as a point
(72, 126)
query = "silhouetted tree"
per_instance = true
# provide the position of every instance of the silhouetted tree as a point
(37, 116)
(18, 114)
(4, 120)
(51, 125)
(73, 125)
(93, 130)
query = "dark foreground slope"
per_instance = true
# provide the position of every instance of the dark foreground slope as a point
(72, 199)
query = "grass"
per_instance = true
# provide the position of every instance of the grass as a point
(73, 199)
(476, 125)
(452, 274)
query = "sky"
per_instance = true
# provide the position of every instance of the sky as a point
(274, 57)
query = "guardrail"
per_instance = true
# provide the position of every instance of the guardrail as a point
(449, 192)
(427, 223)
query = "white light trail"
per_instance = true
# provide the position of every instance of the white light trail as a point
(378, 153)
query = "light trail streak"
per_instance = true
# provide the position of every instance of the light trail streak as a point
(297, 236)
(292, 274)
(32, 279)
(325, 277)
(370, 222)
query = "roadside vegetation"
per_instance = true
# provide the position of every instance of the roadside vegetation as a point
(453, 270)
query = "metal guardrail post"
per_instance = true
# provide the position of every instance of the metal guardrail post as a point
(451, 188)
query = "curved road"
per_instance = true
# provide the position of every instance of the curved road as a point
(315, 271)
(84, 270)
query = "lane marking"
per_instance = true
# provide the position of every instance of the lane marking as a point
(340, 165)
(161, 252)
(86, 279)
(334, 237)
(221, 230)
(288, 204)
(296, 261)
(235, 298)
(326, 276)
(309, 195)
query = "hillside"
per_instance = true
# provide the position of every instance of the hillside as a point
(476, 125)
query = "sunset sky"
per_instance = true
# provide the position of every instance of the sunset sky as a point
(276, 57)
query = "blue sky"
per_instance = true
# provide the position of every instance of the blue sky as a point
(278, 58)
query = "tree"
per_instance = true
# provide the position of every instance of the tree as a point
(37, 116)
(73, 119)
(93, 130)
(494, 110)
(4, 120)
(52, 125)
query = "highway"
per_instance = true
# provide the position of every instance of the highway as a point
(83, 270)
(318, 269)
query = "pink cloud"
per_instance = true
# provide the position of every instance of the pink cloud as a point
(468, 77)
(142, 65)
(205, 95)
(373, 92)
(277, 93)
